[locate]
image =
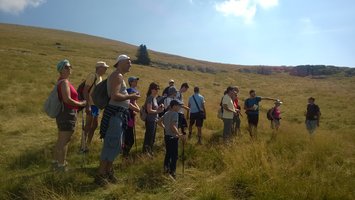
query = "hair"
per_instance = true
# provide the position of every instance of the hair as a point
(311, 98)
(196, 89)
(229, 88)
(152, 86)
(184, 85)
(251, 91)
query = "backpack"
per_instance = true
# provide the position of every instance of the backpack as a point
(270, 113)
(143, 113)
(53, 105)
(99, 95)
(80, 91)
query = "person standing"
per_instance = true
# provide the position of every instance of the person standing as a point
(228, 112)
(251, 105)
(182, 119)
(275, 114)
(165, 91)
(115, 120)
(169, 122)
(67, 117)
(312, 116)
(153, 109)
(197, 113)
(133, 110)
(236, 119)
(92, 111)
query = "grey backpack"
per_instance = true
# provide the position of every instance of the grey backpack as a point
(53, 105)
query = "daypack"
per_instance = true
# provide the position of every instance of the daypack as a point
(143, 113)
(270, 113)
(99, 95)
(80, 91)
(53, 105)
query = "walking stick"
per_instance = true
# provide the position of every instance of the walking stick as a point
(83, 136)
(183, 157)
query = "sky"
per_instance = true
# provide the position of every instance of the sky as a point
(246, 32)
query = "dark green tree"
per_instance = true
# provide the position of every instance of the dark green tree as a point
(142, 55)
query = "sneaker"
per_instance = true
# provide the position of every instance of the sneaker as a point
(101, 180)
(112, 178)
(172, 175)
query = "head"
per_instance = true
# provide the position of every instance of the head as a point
(64, 68)
(171, 83)
(101, 68)
(175, 105)
(172, 91)
(311, 100)
(123, 63)
(230, 91)
(133, 81)
(153, 89)
(236, 89)
(278, 103)
(196, 90)
(184, 87)
(252, 93)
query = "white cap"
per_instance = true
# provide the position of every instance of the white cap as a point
(122, 57)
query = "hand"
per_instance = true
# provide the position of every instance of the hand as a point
(83, 103)
(134, 96)
(160, 108)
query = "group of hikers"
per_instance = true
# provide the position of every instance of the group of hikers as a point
(117, 127)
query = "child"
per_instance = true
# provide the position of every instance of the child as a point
(169, 122)
(276, 115)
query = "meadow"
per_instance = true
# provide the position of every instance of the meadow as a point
(292, 166)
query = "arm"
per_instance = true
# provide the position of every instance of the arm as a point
(65, 90)
(225, 106)
(175, 130)
(268, 98)
(160, 122)
(134, 106)
(150, 109)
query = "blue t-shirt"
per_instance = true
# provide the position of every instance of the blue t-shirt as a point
(199, 99)
(252, 102)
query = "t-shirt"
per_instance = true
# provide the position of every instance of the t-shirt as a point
(229, 102)
(179, 97)
(169, 118)
(252, 102)
(200, 101)
(276, 113)
(165, 91)
(153, 101)
(89, 82)
(312, 112)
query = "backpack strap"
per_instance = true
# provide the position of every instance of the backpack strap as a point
(198, 107)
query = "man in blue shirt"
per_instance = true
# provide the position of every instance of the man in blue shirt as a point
(251, 106)
(197, 113)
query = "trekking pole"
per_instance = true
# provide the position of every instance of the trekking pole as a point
(83, 136)
(183, 157)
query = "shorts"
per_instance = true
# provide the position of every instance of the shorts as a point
(113, 139)
(275, 123)
(196, 117)
(182, 123)
(95, 111)
(253, 120)
(66, 119)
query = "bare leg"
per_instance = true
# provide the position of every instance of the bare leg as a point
(61, 148)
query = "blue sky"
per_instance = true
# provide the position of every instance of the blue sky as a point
(248, 32)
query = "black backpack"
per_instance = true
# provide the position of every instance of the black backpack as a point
(270, 113)
(80, 91)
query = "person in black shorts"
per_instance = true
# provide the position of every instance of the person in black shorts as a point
(197, 113)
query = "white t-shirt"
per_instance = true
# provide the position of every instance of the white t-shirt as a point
(229, 102)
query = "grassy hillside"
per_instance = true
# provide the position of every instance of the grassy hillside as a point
(291, 167)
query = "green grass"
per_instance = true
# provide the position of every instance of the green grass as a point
(290, 167)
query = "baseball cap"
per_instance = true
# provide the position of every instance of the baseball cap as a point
(122, 57)
(62, 64)
(132, 78)
(101, 64)
(175, 102)
(172, 90)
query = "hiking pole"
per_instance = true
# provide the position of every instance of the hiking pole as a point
(83, 136)
(183, 157)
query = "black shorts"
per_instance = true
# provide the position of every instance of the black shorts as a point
(66, 119)
(182, 123)
(196, 117)
(253, 119)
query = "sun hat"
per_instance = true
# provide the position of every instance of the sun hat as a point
(175, 102)
(171, 81)
(101, 64)
(132, 78)
(62, 64)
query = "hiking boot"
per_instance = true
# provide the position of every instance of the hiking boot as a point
(101, 180)
(112, 178)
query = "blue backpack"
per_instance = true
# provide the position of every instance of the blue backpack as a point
(53, 105)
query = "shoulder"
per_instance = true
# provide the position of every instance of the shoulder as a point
(258, 98)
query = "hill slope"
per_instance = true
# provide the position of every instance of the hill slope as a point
(290, 167)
